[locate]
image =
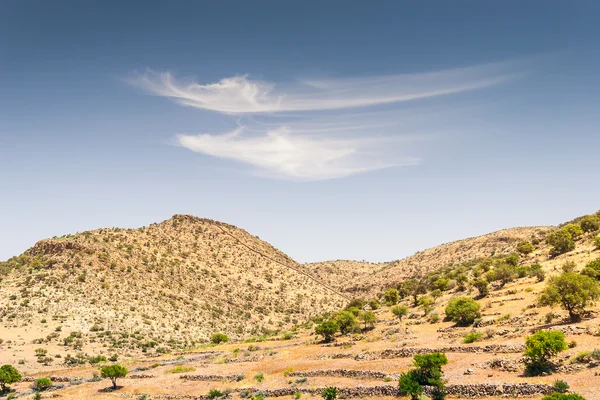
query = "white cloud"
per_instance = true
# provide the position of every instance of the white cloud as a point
(278, 153)
(241, 95)
(319, 129)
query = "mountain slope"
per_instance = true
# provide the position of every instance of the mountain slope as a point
(176, 282)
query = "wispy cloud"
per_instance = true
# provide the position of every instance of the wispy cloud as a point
(280, 154)
(240, 94)
(319, 129)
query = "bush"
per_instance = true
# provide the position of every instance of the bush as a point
(561, 386)
(327, 329)
(408, 384)
(8, 375)
(574, 292)
(217, 338)
(259, 377)
(113, 372)
(463, 310)
(540, 348)
(330, 393)
(589, 223)
(592, 269)
(482, 286)
(400, 311)
(561, 242)
(346, 322)
(525, 247)
(391, 297)
(215, 394)
(597, 242)
(472, 337)
(563, 396)
(41, 384)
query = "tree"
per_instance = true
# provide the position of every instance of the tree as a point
(327, 329)
(592, 269)
(429, 372)
(217, 338)
(505, 273)
(408, 384)
(482, 286)
(525, 247)
(368, 318)
(346, 322)
(561, 242)
(463, 310)
(8, 375)
(113, 372)
(400, 311)
(574, 229)
(574, 292)
(391, 296)
(541, 347)
(330, 393)
(589, 223)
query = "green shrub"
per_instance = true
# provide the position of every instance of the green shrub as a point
(574, 292)
(540, 348)
(400, 311)
(215, 394)
(346, 322)
(592, 269)
(113, 372)
(482, 286)
(327, 329)
(463, 310)
(561, 241)
(391, 297)
(561, 386)
(563, 396)
(590, 223)
(525, 247)
(217, 338)
(8, 375)
(259, 377)
(330, 393)
(41, 384)
(536, 271)
(597, 242)
(472, 337)
(408, 385)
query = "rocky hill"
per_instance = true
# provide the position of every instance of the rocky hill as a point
(174, 283)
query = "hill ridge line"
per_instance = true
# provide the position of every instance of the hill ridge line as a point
(283, 264)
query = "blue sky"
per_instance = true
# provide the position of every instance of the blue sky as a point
(333, 130)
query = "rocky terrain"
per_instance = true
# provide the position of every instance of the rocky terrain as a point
(151, 298)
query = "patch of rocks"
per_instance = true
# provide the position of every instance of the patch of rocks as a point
(230, 378)
(344, 373)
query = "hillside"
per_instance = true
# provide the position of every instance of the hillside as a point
(175, 283)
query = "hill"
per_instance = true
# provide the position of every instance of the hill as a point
(175, 283)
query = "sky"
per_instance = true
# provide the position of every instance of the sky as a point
(333, 130)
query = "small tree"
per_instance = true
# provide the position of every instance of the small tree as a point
(391, 297)
(400, 311)
(330, 393)
(429, 372)
(113, 372)
(590, 223)
(541, 347)
(592, 269)
(368, 318)
(408, 384)
(536, 271)
(574, 292)
(561, 242)
(346, 322)
(463, 310)
(525, 247)
(8, 375)
(327, 329)
(482, 286)
(217, 338)
(505, 273)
